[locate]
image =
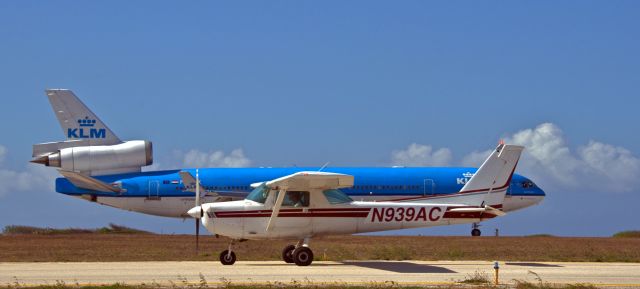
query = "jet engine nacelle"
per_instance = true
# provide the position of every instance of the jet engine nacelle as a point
(105, 159)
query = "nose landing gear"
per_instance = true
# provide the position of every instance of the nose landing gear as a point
(228, 257)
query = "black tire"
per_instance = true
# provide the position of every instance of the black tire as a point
(476, 232)
(287, 253)
(303, 256)
(226, 258)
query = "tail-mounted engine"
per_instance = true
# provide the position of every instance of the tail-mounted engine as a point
(124, 157)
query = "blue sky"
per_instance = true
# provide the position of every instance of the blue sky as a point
(354, 84)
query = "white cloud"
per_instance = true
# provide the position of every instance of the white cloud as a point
(421, 155)
(198, 159)
(33, 178)
(475, 159)
(615, 167)
(550, 162)
(3, 152)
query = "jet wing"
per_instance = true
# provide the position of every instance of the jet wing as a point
(189, 182)
(86, 182)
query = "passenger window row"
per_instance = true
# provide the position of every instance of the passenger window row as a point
(360, 188)
(386, 187)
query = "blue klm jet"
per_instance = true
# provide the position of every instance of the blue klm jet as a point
(99, 167)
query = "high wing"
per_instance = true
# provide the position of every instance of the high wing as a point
(304, 181)
(312, 180)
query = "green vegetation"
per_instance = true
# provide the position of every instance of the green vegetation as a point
(111, 229)
(298, 285)
(477, 278)
(529, 285)
(117, 244)
(519, 284)
(627, 234)
(397, 253)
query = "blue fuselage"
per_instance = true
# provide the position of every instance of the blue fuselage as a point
(370, 183)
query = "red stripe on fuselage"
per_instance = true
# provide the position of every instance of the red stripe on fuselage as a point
(297, 214)
(345, 213)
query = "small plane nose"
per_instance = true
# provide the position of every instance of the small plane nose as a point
(195, 212)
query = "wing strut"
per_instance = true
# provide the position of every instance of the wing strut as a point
(276, 208)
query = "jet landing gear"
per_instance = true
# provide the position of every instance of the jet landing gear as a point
(300, 253)
(475, 232)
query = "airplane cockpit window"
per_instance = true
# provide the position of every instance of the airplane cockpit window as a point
(528, 184)
(336, 197)
(295, 199)
(259, 194)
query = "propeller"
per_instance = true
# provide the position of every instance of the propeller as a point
(198, 205)
(197, 212)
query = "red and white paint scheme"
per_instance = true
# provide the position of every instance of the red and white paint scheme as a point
(307, 204)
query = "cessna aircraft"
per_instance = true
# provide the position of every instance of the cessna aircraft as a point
(99, 167)
(308, 204)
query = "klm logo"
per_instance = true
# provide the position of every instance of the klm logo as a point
(466, 177)
(86, 130)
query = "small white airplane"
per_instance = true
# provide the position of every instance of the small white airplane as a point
(307, 204)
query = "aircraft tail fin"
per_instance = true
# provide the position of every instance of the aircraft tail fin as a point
(485, 191)
(78, 122)
(496, 170)
(493, 177)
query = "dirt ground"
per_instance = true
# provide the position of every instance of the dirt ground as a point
(141, 247)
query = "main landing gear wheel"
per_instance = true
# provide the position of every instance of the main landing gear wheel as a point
(287, 253)
(475, 231)
(303, 256)
(226, 258)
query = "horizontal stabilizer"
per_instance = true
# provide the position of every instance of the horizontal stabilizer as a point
(485, 209)
(87, 182)
(43, 149)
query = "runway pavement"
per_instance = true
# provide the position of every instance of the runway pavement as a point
(351, 272)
